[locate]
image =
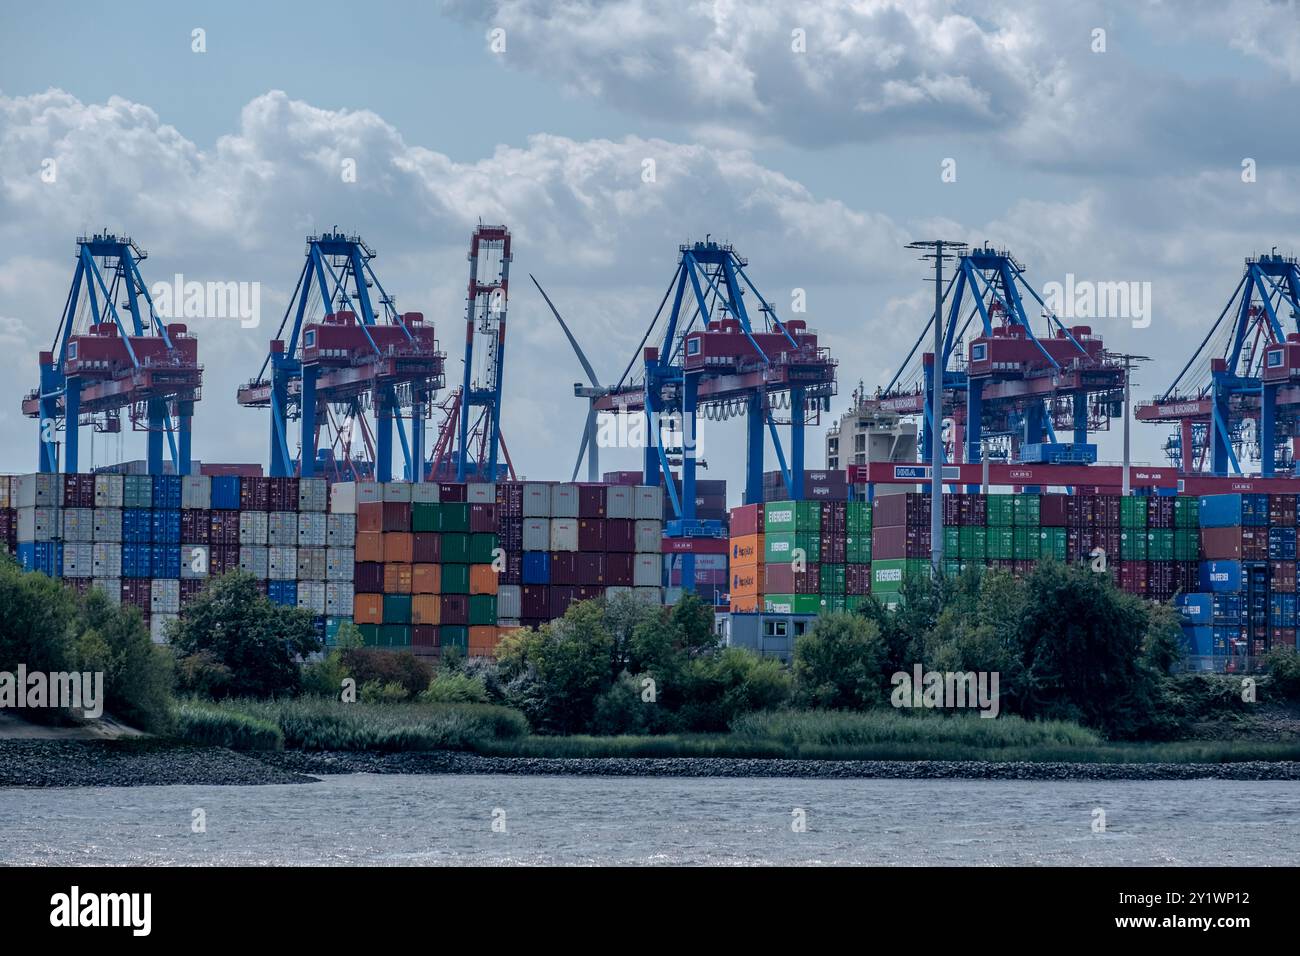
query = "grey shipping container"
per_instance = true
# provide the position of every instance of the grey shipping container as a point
(313, 494)
(106, 559)
(648, 501)
(253, 527)
(425, 492)
(38, 523)
(509, 601)
(564, 534)
(338, 564)
(254, 559)
(340, 530)
(346, 495)
(620, 501)
(38, 490)
(619, 590)
(481, 492)
(196, 492)
(195, 561)
(396, 491)
(108, 524)
(165, 596)
(108, 491)
(311, 564)
(649, 535)
(137, 491)
(338, 598)
(537, 534)
(311, 530)
(311, 596)
(111, 588)
(159, 626)
(78, 524)
(564, 500)
(537, 499)
(282, 529)
(282, 564)
(647, 570)
(649, 595)
(79, 560)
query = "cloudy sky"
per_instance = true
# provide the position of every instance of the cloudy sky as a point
(1101, 141)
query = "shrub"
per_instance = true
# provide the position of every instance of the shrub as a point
(838, 663)
(1284, 668)
(456, 688)
(370, 665)
(208, 726)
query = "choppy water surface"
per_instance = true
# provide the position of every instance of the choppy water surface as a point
(373, 819)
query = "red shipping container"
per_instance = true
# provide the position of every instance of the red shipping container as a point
(620, 534)
(746, 520)
(282, 495)
(1282, 636)
(1282, 576)
(424, 635)
(857, 579)
(367, 577)
(591, 534)
(426, 548)
(590, 569)
(783, 579)
(1162, 579)
(833, 547)
(974, 510)
(191, 588)
(591, 501)
(511, 534)
(137, 592)
(894, 511)
(482, 518)
(952, 509)
(535, 602)
(255, 494)
(898, 541)
(1160, 512)
(561, 598)
(1133, 577)
(453, 608)
(451, 491)
(196, 526)
(564, 567)
(510, 499)
(223, 558)
(618, 569)
(1189, 576)
(1052, 511)
(590, 593)
(1282, 510)
(1021, 568)
(514, 569)
(1105, 511)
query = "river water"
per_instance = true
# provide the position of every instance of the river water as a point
(484, 820)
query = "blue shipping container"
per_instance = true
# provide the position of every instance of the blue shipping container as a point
(1196, 608)
(537, 567)
(166, 527)
(1198, 641)
(1221, 575)
(43, 556)
(1227, 608)
(1281, 544)
(137, 526)
(165, 561)
(225, 492)
(136, 560)
(1231, 511)
(1281, 610)
(283, 592)
(167, 491)
(1226, 638)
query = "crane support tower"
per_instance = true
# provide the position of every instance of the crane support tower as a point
(356, 356)
(1009, 388)
(101, 363)
(1238, 396)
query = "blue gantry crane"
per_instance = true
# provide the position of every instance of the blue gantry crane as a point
(360, 356)
(102, 363)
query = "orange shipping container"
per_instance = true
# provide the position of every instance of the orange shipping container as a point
(368, 608)
(746, 580)
(370, 546)
(747, 550)
(398, 547)
(482, 579)
(747, 604)
(426, 578)
(424, 608)
(483, 641)
(397, 579)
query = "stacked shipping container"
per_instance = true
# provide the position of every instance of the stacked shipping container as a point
(816, 555)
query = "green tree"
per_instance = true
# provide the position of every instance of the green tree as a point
(138, 674)
(233, 641)
(721, 686)
(838, 663)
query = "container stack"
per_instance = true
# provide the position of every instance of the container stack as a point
(425, 577)
(8, 518)
(747, 565)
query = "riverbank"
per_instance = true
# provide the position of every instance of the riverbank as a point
(44, 764)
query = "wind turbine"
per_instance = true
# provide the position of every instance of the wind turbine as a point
(591, 393)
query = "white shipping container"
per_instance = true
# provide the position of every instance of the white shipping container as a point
(108, 491)
(159, 625)
(313, 494)
(311, 564)
(311, 530)
(282, 529)
(619, 502)
(253, 528)
(196, 492)
(5, 499)
(282, 564)
(564, 534)
(507, 623)
(537, 499)
(346, 495)
(340, 531)
(646, 570)
(672, 595)
(165, 596)
(255, 560)
(649, 595)
(338, 598)
(195, 561)
(78, 524)
(111, 589)
(648, 535)
(108, 524)
(619, 590)
(106, 559)
(481, 492)
(38, 524)
(648, 502)
(564, 500)
(425, 492)
(39, 490)
(339, 564)
(509, 600)
(398, 491)
(537, 534)
(311, 596)
(78, 560)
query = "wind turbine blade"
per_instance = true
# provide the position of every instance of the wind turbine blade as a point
(586, 366)
(582, 449)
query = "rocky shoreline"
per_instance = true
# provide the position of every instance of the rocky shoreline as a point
(78, 764)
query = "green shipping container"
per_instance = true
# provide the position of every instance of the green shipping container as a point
(793, 516)
(1133, 545)
(781, 547)
(889, 575)
(1187, 544)
(425, 517)
(454, 516)
(369, 634)
(857, 548)
(1160, 544)
(332, 626)
(1001, 511)
(1026, 510)
(859, 518)
(1052, 544)
(793, 603)
(1025, 543)
(453, 636)
(482, 548)
(455, 578)
(1187, 513)
(397, 609)
(455, 548)
(952, 541)
(1001, 544)
(1133, 513)
(973, 545)
(833, 603)
(833, 580)
(482, 610)
(953, 568)
(394, 635)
